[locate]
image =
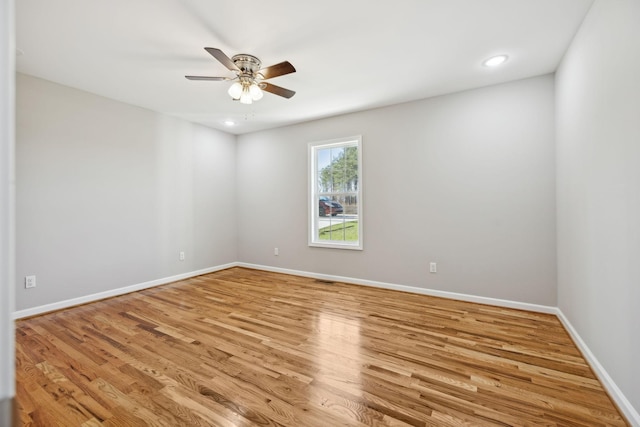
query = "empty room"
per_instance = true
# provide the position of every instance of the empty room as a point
(411, 213)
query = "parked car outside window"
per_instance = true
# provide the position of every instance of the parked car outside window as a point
(327, 207)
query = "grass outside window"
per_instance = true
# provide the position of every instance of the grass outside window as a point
(344, 231)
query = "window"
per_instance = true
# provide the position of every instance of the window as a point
(335, 193)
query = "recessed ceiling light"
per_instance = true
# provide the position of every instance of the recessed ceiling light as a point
(229, 122)
(494, 61)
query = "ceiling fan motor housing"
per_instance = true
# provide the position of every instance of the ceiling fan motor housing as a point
(248, 64)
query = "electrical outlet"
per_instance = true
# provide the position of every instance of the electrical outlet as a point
(181, 256)
(433, 267)
(276, 252)
(30, 282)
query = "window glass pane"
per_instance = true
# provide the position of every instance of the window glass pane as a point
(335, 189)
(335, 167)
(338, 218)
(323, 167)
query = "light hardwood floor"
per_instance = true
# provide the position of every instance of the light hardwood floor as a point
(241, 347)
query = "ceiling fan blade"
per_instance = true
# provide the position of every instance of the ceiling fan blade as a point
(277, 70)
(277, 90)
(215, 79)
(224, 59)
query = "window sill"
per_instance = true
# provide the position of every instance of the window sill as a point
(335, 245)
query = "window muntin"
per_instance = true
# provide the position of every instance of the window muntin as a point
(335, 171)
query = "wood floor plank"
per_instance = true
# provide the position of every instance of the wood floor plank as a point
(243, 347)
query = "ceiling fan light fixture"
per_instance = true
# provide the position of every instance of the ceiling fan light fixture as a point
(235, 90)
(256, 92)
(245, 97)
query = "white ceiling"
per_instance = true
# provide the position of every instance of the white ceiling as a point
(350, 55)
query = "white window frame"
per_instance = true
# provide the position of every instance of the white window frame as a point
(314, 194)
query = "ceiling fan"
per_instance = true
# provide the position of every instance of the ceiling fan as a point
(249, 79)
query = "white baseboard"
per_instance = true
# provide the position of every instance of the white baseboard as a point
(20, 314)
(616, 394)
(412, 289)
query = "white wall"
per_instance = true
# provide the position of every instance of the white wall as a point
(7, 187)
(598, 156)
(108, 194)
(466, 180)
